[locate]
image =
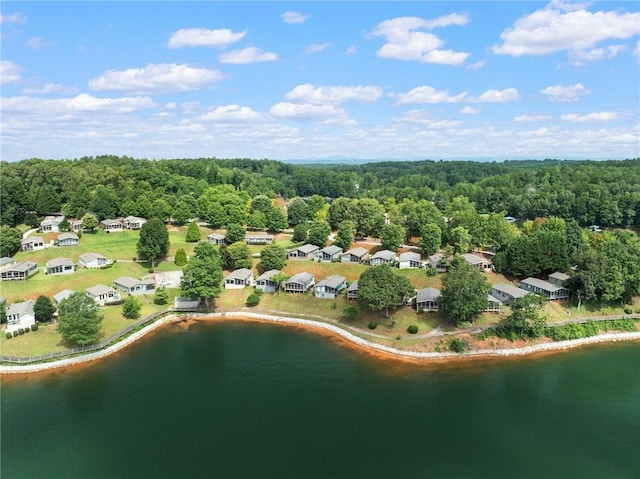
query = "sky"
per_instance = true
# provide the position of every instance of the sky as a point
(320, 80)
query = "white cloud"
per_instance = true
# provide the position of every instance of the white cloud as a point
(305, 111)
(201, 37)
(247, 55)
(49, 88)
(477, 65)
(579, 57)
(38, 43)
(317, 47)
(155, 78)
(566, 27)
(406, 41)
(421, 117)
(428, 94)
(79, 104)
(231, 113)
(563, 94)
(497, 96)
(352, 50)
(12, 18)
(589, 117)
(9, 72)
(636, 50)
(333, 94)
(294, 17)
(469, 110)
(528, 117)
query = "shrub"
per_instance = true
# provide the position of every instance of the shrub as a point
(9, 335)
(412, 329)
(349, 313)
(15, 333)
(151, 270)
(27, 330)
(161, 296)
(456, 345)
(253, 299)
(134, 259)
(21, 331)
(628, 311)
(431, 271)
(34, 327)
(373, 325)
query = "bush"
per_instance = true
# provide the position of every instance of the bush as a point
(412, 329)
(151, 270)
(9, 335)
(253, 299)
(21, 331)
(373, 325)
(34, 327)
(27, 330)
(15, 333)
(628, 311)
(456, 345)
(349, 313)
(134, 259)
(431, 271)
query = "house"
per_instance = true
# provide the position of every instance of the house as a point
(64, 294)
(6, 261)
(383, 257)
(507, 293)
(258, 239)
(299, 283)
(306, 251)
(75, 225)
(330, 287)
(182, 303)
(93, 260)
(352, 291)
(265, 283)
(59, 266)
(493, 304)
(216, 238)
(477, 261)
(111, 226)
(409, 259)
(134, 222)
(427, 299)
(103, 294)
(328, 254)
(51, 224)
(134, 286)
(437, 261)
(558, 278)
(355, 255)
(20, 315)
(32, 243)
(545, 288)
(68, 239)
(18, 271)
(238, 279)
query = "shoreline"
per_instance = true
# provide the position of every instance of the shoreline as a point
(332, 332)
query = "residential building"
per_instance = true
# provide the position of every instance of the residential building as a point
(182, 303)
(68, 239)
(383, 257)
(59, 266)
(437, 261)
(75, 225)
(238, 279)
(18, 271)
(299, 283)
(64, 294)
(216, 238)
(409, 259)
(507, 293)
(103, 294)
(427, 299)
(558, 278)
(545, 288)
(352, 291)
(330, 287)
(93, 260)
(32, 243)
(51, 224)
(328, 254)
(355, 255)
(306, 251)
(134, 222)
(6, 261)
(493, 304)
(477, 262)
(111, 226)
(20, 315)
(258, 239)
(134, 286)
(265, 283)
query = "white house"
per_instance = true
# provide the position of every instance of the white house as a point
(306, 251)
(134, 286)
(111, 226)
(64, 294)
(330, 287)
(258, 239)
(59, 266)
(103, 294)
(18, 271)
(436, 262)
(238, 279)
(477, 262)
(427, 299)
(51, 224)
(32, 243)
(93, 260)
(265, 283)
(68, 239)
(20, 315)
(493, 304)
(134, 222)
(355, 255)
(75, 225)
(216, 238)
(383, 257)
(409, 259)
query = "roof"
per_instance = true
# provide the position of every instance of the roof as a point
(267, 275)
(303, 278)
(64, 294)
(258, 237)
(359, 252)
(492, 299)
(111, 222)
(353, 286)
(474, 259)
(5, 260)
(216, 236)
(384, 254)
(134, 218)
(332, 281)
(32, 239)
(26, 307)
(331, 250)
(53, 220)
(22, 266)
(91, 256)
(436, 257)
(52, 263)
(510, 290)
(99, 289)
(306, 248)
(410, 256)
(559, 276)
(129, 282)
(427, 294)
(242, 274)
(65, 236)
(542, 284)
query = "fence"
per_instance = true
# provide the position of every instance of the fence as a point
(85, 349)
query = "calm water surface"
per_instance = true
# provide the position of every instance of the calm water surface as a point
(258, 401)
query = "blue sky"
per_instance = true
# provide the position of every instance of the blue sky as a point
(306, 80)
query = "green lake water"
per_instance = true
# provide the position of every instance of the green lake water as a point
(236, 400)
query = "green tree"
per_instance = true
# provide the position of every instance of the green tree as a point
(297, 211)
(257, 220)
(202, 276)
(79, 319)
(341, 209)
(316, 204)
(464, 292)
(273, 257)
(193, 233)
(276, 220)
(300, 233)
(181, 257)
(368, 215)
(526, 318)
(460, 239)
(181, 213)
(13, 200)
(161, 209)
(260, 203)
(430, 238)
(392, 236)
(381, 288)
(89, 222)
(239, 255)
(235, 233)
(279, 278)
(161, 296)
(105, 202)
(31, 219)
(318, 233)
(153, 242)
(48, 200)
(43, 309)
(345, 235)
(131, 307)
(10, 240)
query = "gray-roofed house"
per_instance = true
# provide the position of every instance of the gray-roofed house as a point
(306, 251)
(134, 222)
(68, 239)
(427, 299)
(134, 286)
(20, 315)
(75, 225)
(51, 224)
(93, 260)
(258, 239)
(59, 266)
(216, 238)
(328, 254)
(182, 303)
(238, 279)
(507, 293)
(355, 255)
(383, 257)
(32, 243)
(110, 225)
(409, 259)
(103, 294)
(64, 294)
(493, 304)
(352, 291)
(558, 278)
(6, 261)
(299, 283)
(477, 261)
(437, 261)
(330, 287)
(18, 271)
(545, 288)
(265, 283)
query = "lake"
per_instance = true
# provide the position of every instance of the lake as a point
(238, 400)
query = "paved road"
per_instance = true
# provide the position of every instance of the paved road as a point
(28, 232)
